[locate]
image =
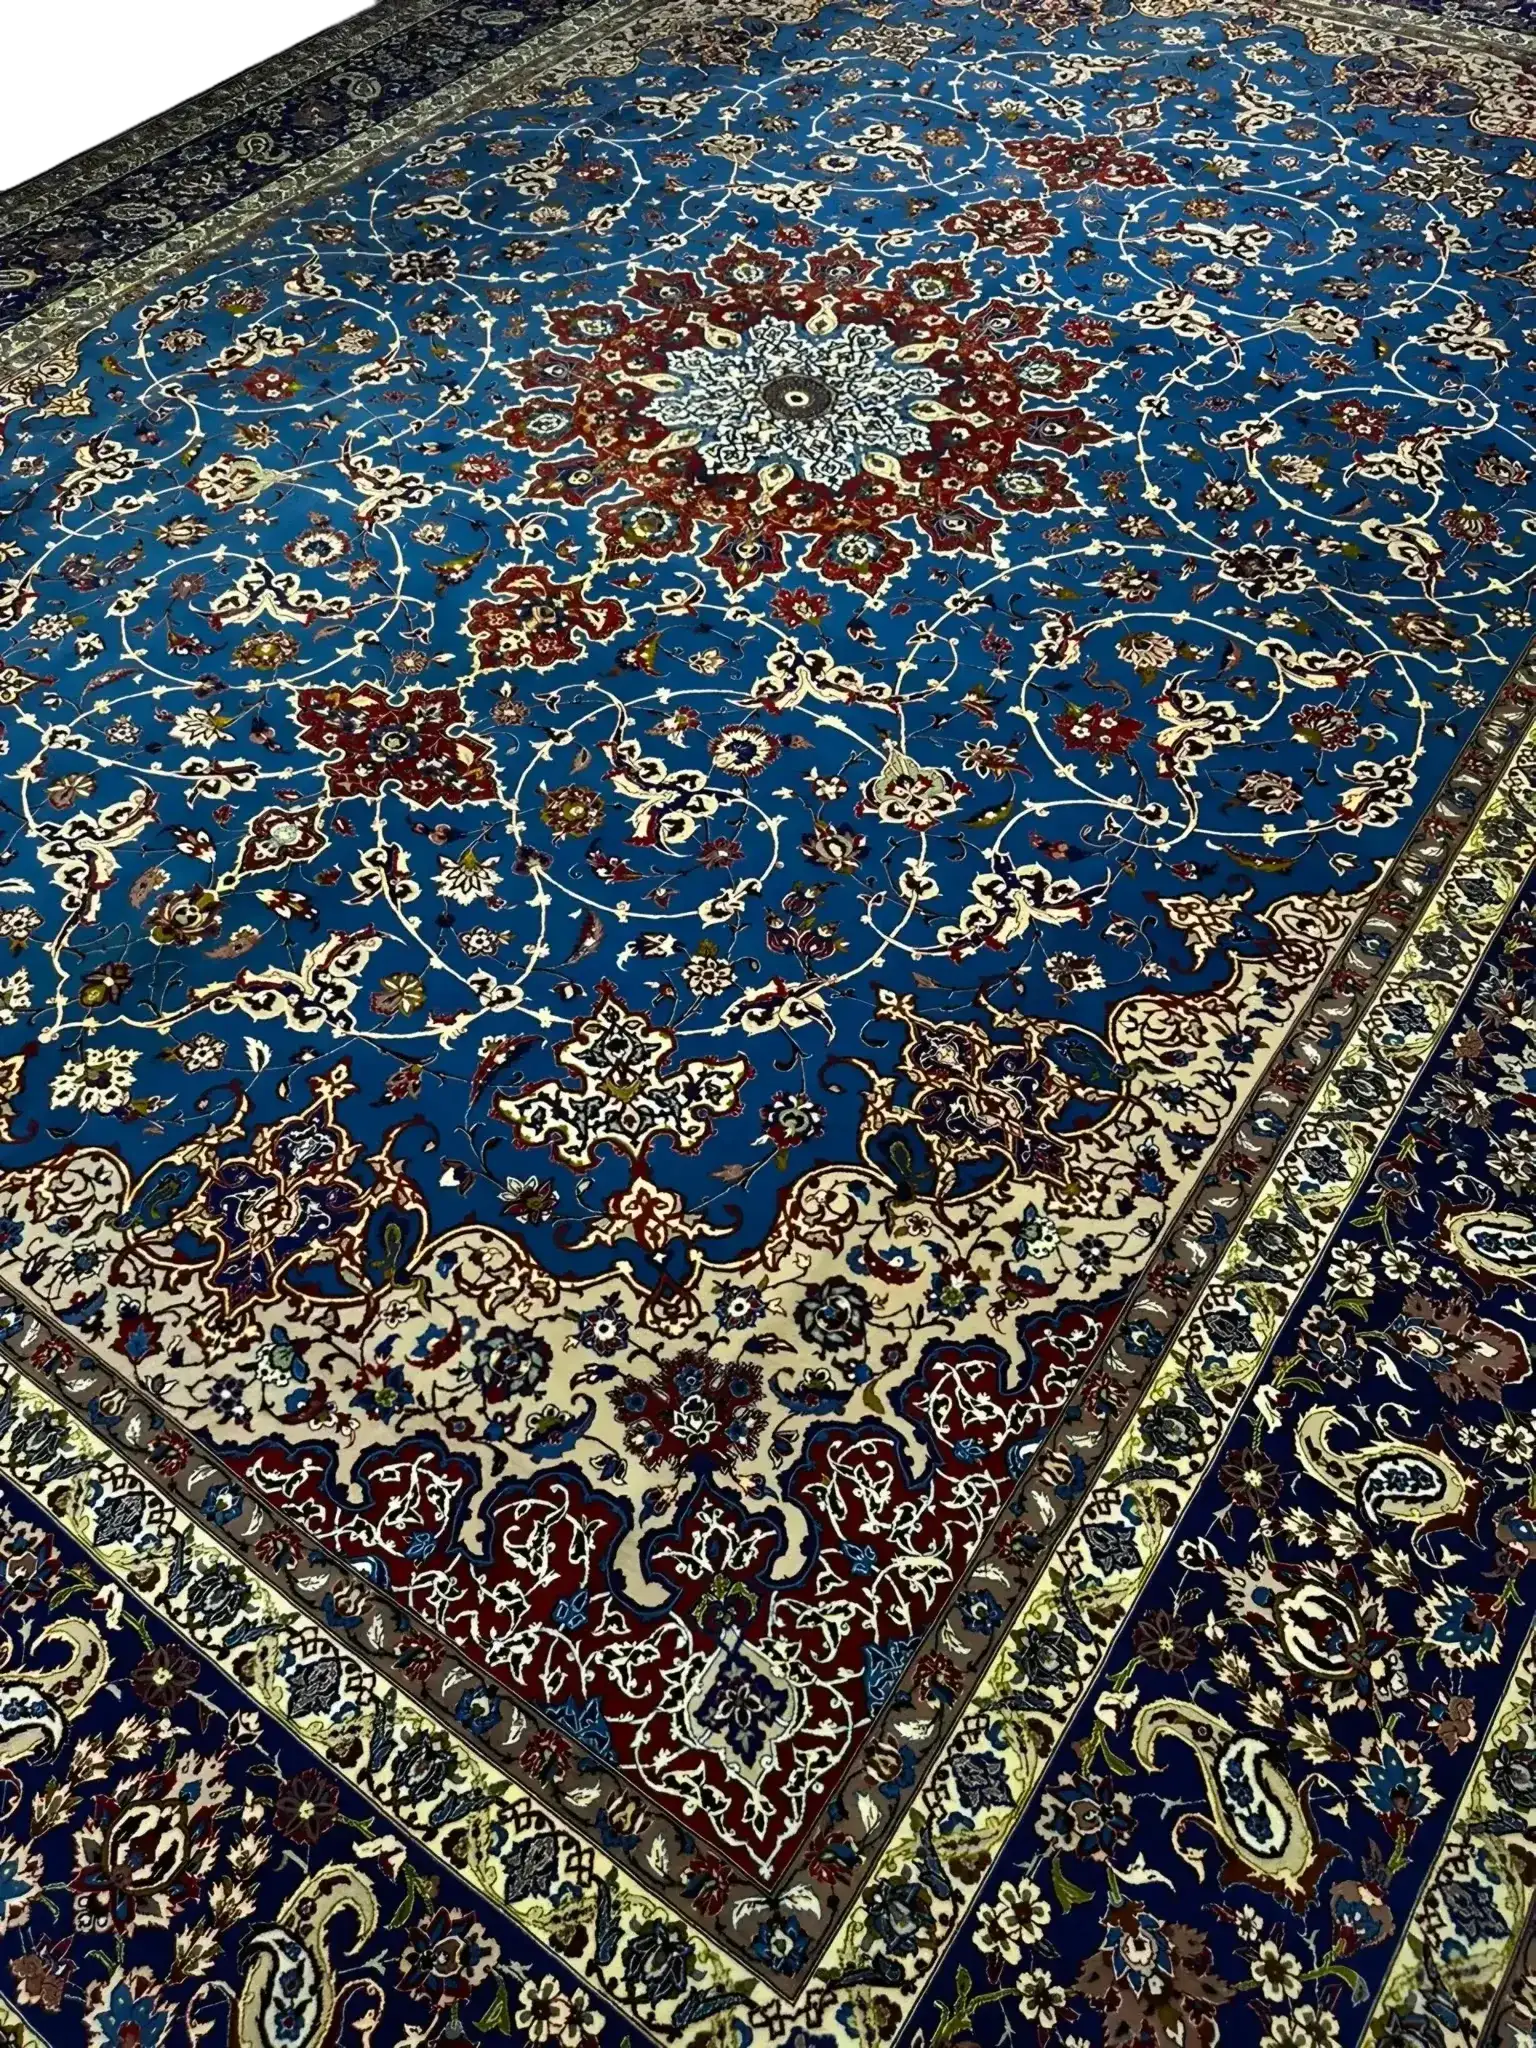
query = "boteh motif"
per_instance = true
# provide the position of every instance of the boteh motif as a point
(699, 785)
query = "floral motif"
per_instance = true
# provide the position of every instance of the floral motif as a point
(531, 621)
(620, 1094)
(1315, 1671)
(373, 743)
(191, 1862)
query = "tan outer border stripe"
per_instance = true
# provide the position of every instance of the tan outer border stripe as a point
(1475, 1980)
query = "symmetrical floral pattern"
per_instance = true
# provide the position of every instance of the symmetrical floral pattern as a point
(1417, 1637)
(697, 781)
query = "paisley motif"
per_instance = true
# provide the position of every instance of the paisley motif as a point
(1499, 1242)
(1393, 1482)
(1252, 1807)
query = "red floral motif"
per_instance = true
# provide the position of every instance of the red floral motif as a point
(1068, 431)
(1328, 726)
(1365, 422)
(376, 743)
(530, 621)
(1096, 728)
(826, 410)
(1019, 227)
(700, 1411)
(278, 836)
(1068, 163)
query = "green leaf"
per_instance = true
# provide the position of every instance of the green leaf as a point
(1067, 1893)
(1358, 1988)
(498, 2017)
(417, 1889)
(1117, 1764)
(994, 814)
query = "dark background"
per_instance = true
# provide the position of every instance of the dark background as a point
(74, 78)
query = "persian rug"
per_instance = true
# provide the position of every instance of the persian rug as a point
(768, 1065)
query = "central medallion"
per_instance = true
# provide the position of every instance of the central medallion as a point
(761, 416)
(780, 395)
(797, 398)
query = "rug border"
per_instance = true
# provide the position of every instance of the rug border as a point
(1501, 1975)
(1239, 1169)
(1387, 911)
(38, 199)
(61, 322)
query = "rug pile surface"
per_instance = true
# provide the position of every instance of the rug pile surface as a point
(768, 1056)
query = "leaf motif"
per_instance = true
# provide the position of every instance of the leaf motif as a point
(498, 2017)
(1067, 1893)
(588, 939)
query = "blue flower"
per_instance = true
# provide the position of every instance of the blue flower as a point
(479, 1710)
(979, 1612)
(128, 2014)
(222, 1503)
(782, 1943)
(570, 1613)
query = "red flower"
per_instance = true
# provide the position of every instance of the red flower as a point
(1088, 331)
(530, 621)
(1068, 163)
(375, 743)
(270, 387)
(546, 1755)
(1068, 431)
(305, 1807)
(698, 1409)
(164, 1676)
(1364, 422)
(481, 469)
(1019, 227)
(1096, 729)
(1328, 726)
(707, 1881)
(1471, 524)
(799, 607)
